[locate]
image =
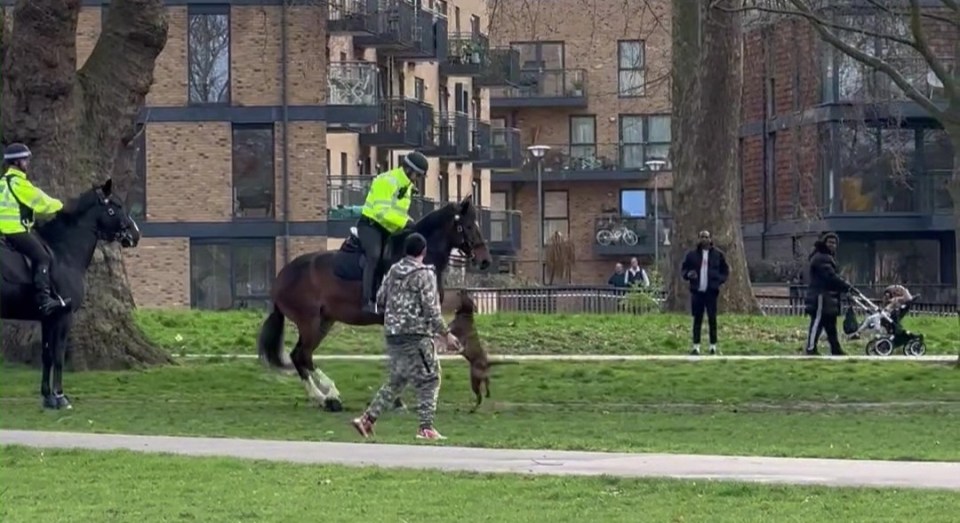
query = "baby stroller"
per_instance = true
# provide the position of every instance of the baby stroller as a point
(882, 330)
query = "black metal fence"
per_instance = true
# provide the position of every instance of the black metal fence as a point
(774, 301)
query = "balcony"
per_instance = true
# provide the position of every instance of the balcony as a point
(876, 203)
(495, 147)
(352, 95)
(501, 68)
(451, 137)
(501, 229)
(394, 27)
(552, 88)
(582, 163)
(471, 55)
(615, 235)
(401, 123)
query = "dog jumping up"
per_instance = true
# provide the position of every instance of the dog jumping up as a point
(472, 349)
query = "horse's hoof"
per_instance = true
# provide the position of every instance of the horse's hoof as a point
(333, 405)
(49, 402)
(63, 403)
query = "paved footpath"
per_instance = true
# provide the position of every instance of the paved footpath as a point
(900, 474)
(614, 357)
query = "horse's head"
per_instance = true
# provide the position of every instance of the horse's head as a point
(107, 215)
(466, 234)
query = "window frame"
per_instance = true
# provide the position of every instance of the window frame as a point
(232, 245)
(642, 69)
(558, 219)
(589, 149)
(210, 10)
(272, 214)
(538, 45)
(646, 142)
(646, 201)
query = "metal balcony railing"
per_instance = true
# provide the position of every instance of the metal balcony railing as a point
(452, 136)
(591, 157)
(558, 83)
(353, 83)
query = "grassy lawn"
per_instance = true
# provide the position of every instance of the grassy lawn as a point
(777, 408)
(124, 486)
(236, 332)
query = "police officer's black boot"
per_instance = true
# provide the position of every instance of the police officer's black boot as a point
(45, 300)
(369, 275)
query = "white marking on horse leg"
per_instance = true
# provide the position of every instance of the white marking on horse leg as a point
(313, 392)
(326, 384)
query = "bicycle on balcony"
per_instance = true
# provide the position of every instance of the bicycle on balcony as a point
(617, 232)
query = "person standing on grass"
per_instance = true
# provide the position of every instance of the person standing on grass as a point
(412, 320)
(705, 267)
(823, 294)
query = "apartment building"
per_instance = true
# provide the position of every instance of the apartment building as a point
(590, 82)
(268, 118)
(829, 144)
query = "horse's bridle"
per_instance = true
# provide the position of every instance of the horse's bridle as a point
(119, 235)
(465, 246)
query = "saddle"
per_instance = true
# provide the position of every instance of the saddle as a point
(351, 259)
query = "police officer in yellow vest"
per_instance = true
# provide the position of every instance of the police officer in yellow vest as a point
(385, 214)
(20, 202)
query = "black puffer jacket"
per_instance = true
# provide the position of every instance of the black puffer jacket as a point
(825, 286)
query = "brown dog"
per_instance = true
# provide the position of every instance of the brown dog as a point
(464, 329)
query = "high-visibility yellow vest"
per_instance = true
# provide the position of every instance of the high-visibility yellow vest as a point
(388, 201)
(20, 201)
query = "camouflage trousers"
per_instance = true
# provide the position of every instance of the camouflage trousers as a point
(412, 360)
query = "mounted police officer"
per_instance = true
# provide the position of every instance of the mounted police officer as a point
(20, 203)
(385, 213)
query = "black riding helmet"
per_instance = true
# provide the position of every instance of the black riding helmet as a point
(416, 163)
(15, 152)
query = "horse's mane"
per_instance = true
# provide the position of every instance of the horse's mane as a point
(434, 220)
(64, 224)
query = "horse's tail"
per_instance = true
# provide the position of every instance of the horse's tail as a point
(270, 341)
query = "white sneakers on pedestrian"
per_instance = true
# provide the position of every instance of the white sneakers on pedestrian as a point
(696, 349)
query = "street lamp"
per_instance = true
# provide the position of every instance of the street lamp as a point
(655, 165)
(538, 152)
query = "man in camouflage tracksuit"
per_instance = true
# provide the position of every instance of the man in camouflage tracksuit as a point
(412, 320)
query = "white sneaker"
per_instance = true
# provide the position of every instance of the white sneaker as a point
(696, 350)
(713, 349)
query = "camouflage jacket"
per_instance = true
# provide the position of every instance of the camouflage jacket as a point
(410, 300)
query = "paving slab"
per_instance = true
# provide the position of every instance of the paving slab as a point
(800, 471)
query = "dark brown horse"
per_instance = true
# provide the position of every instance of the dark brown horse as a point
(317, 290)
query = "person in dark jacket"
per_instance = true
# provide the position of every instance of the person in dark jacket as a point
(824, 290)
(706, 269)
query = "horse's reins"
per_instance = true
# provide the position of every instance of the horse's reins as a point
(465, 245)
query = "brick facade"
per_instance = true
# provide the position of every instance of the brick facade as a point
(590, 33)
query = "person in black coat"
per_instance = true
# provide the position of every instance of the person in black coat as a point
(705, 267)
(824, 290)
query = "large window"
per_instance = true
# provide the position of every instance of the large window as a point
(231, 274)
(644, 138)
(877, 170)
(208, 54)
(253, 175)
(631, 68)
(556, 216)
(539, 56)
(583, 137)
(908, 261)
(136, 188)
(499, 227)
(633, 203)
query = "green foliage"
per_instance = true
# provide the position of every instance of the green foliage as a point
(647, 300)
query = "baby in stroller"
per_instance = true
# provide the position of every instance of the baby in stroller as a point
(883, 324)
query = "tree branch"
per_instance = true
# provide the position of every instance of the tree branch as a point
(923, 47)
(952, 4)
(909, 90)
(118, 75)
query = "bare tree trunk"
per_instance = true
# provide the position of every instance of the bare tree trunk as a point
(707, 77)
(75, 122)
